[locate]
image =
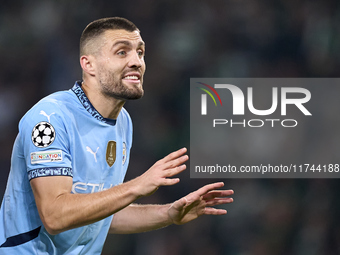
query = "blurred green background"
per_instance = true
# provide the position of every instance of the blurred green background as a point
(184, 39)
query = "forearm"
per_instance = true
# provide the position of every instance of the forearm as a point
(140, 218)
(60, 210)
(69, 210)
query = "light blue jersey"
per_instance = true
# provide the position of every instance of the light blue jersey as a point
(62, 135)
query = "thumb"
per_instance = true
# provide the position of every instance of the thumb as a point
(180, 204)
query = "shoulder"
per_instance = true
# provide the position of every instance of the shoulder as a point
(124, 117)
(49, 108)
(125, 113)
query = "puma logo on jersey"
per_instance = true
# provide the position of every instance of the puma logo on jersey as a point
(48, 116)
(93, 153)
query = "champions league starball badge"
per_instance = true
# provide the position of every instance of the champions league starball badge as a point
(43, 134)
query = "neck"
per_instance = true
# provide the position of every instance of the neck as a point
(108, 107)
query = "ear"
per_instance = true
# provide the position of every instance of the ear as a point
(87, 64)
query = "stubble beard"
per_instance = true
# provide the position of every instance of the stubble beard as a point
(114, 87)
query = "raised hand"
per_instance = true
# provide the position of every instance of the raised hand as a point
(159, 174)
(200, 202)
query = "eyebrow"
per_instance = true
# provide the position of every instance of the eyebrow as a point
(127, 43)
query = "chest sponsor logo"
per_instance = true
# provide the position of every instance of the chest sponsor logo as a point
(82, 187)
(111, 153)
(46, 156)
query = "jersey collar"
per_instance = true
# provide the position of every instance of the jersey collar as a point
(88, 106)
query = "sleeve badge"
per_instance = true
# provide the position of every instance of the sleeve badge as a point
(43, 134)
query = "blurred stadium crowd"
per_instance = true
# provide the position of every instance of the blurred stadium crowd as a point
(209, 38)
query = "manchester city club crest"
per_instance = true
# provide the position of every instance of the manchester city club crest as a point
(111, 153)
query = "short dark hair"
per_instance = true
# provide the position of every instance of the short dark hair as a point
(97, 27)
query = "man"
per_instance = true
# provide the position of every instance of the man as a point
(65, 190)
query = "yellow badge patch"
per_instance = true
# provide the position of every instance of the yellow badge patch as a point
(111, 153)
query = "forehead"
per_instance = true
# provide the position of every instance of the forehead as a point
(113, 36)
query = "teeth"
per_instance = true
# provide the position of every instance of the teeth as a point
(131, 77)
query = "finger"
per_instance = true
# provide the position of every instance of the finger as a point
(219, 201)
(174, 171)
(217, 193)
(176, 162)
(174, 155)
(214, 211)
(205, 189)
(169, 181)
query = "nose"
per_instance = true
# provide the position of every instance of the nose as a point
(136, 61)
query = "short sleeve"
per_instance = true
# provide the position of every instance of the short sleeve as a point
(45, 141)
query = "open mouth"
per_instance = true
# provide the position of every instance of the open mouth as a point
(132, 77)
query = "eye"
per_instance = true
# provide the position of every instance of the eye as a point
(121, 53)
(141, 53)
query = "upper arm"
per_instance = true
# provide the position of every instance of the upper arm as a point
(47, 154)
(46, 147)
